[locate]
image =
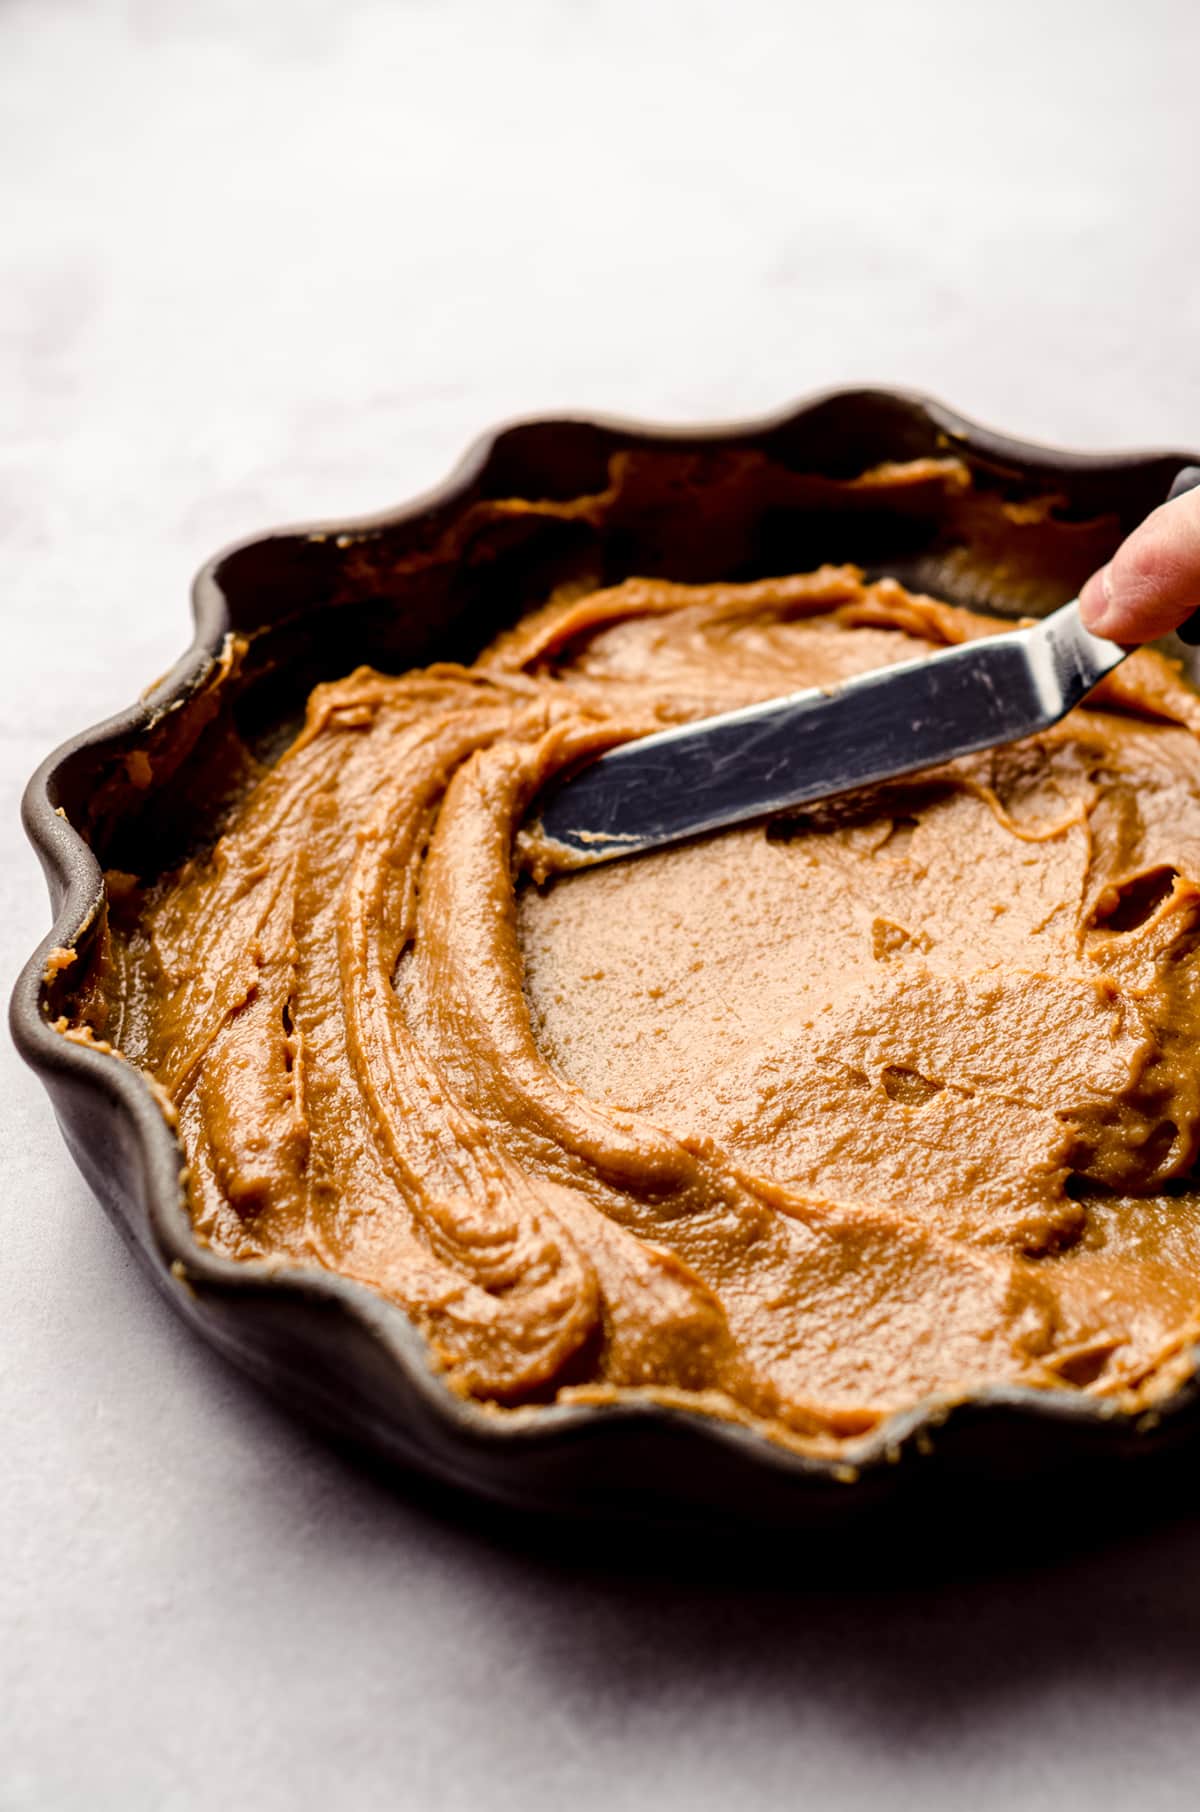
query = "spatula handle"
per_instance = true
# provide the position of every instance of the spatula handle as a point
(1187, 480)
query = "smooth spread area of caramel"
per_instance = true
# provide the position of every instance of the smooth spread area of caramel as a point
(796, 1124)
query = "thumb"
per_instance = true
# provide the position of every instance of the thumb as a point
(1152, 581)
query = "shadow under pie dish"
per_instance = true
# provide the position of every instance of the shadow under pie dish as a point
(722, 1177)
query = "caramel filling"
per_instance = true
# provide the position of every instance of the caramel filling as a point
(796, 1124)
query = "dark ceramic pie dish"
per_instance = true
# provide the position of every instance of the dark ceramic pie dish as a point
(436, 580)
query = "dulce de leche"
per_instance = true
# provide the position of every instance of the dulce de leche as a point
(793, 1125)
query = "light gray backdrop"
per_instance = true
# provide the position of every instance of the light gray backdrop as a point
(260, 261)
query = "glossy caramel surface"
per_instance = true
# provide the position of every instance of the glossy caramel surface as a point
(796, 1124)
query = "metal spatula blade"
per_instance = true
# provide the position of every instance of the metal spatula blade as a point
(814, 745)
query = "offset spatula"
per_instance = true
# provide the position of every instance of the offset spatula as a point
(814, 745)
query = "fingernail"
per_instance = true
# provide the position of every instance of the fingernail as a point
(1096, 605)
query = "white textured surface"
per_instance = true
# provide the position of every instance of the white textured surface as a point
(265, 260)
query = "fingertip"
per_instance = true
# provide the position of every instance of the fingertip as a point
(1096, 604)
